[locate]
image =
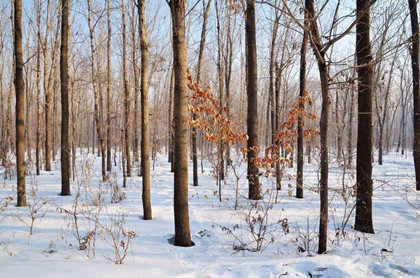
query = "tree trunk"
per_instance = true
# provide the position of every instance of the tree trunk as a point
(363, 221)
(137, 142)
(416, 89)
(20, 105)
(108, 91)
(316, 44)
(252, 110)
(97, 112)
(302, 88)
(206, 9)
(220, 146)
(126, 95)
(182, 222)
(38, 92)
(144, 87)
(65, 115)
(350, 131)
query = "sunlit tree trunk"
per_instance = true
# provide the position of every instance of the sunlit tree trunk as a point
(144, 88)
(182, 222)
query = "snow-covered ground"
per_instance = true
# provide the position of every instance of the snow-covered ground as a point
(224, 240)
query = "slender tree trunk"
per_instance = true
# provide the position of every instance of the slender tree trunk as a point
(252, 111)
(136, 93)
(364, 221)
(277, 86)
(302, 88)
(338, 129)
(38, 92)
(350, 132)
(206, 9)
(108, 91)
(220, 146)
(20, 105)
(97, 112)
(126, 95)
(316, 44)
(145, 148)
(65, 114)
(182, 222)
(416, 88)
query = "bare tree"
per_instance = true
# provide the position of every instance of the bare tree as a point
(416, 86)
(206, 10)
(96, 103)
(126, 94)
(20, 104)
(182, 222)
(38, 91)
(108, 90)
(302, 88)
(144, 88)
(65, 114)
(252, 93)
(364, 221)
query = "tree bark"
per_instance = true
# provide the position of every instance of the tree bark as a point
(38, 92)
(126, 95)
(319, 50)
(20, 105)
(65, 114)
(206, 9)
(182, 222)
(97, 112)
(416, 88)
(254, 192)
(302, 88)
(108, 91)
(364, 221)
(144, 87)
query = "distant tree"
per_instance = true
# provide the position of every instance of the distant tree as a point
(182, 222)
(20, 104)
(364, 159)
(65, 114)
(416, 86)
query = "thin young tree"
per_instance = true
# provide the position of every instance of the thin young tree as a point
(20, 104)
(126, 142)
(38, 92)
(206, 9)
(412, 4)
(254, 192)
(65, 113)
(182, 222)
(96, 103)
(302, 88)
(144, 89)
(108, 89)
(364, 159)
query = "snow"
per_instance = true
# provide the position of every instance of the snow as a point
(223, 241)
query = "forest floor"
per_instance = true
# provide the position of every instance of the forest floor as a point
(257, 239)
